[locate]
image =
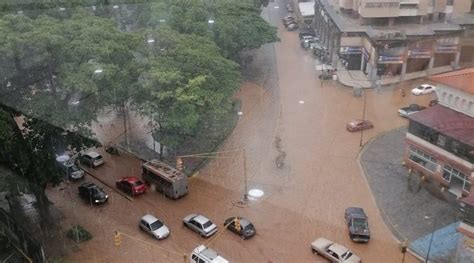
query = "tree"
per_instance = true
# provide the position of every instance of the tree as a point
(233, 25)
(186, 80)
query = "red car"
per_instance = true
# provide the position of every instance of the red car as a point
(358, 125)
(131, 185)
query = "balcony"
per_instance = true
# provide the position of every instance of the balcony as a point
(409, 2)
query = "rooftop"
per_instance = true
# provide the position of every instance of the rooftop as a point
(349, 24)
(306, 8)
(448, 122)
(459, 79)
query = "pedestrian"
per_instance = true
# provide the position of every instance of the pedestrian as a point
(402, 92)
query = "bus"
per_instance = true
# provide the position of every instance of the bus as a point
(165, 179)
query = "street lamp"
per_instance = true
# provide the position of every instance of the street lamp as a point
(363, 119)
(432, 236)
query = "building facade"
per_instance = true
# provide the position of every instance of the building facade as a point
(377, 38)
(440, 139)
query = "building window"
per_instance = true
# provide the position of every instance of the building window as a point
(467, 186)
(450, 2)
(423, 159)
(449, 172)
(441, 140)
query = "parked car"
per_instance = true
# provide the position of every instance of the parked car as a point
(92, 158)
(203, 254)
(423, 89)
(200, 224)
(358, 224)
(333, 251)
(405, 111)
(303, 34)
(92, 193)
(287, 20)
(358, 125)
(154, 227)
(68, 168)
(292, 27)
(243, 227)
(131, 185)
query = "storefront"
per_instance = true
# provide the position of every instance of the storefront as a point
(445, 51)
(390, 59)
(418, 55)
(352, 57)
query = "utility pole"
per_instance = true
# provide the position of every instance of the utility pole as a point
(215, 155)
(245, 177)
(431, 240)
(363, 119)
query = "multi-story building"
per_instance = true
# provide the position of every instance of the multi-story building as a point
(396, 37)
(440, 139)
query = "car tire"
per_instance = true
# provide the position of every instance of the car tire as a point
(314, 251)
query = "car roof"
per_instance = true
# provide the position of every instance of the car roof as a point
(89, 185)
(149, 218)
(131, 179)
(201, 219)
(92, 154)
(425, 85)
(356, 212)
(339, 249)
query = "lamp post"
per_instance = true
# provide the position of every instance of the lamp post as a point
(363, 119)
(431, 238)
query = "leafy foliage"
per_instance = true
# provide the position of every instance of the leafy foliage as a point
(78, 234)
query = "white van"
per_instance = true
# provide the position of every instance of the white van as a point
(203, 254)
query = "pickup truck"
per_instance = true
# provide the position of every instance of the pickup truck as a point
(405, 111)
(358, 224)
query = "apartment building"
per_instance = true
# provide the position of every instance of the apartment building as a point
(396, 37)
(440, 139)
(388, 11)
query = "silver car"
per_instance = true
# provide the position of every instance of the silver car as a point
(200, 224)
(154, 227)
(333, 252)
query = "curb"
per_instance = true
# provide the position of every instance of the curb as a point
(381, 213)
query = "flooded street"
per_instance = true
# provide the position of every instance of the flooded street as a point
(287, 118)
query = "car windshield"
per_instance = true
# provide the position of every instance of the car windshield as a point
(207, 224)
(359, 223)
(137, 183)
(346, 254)
(156, 225)
(72, 169)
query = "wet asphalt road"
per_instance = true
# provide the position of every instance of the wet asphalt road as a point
(303, 200)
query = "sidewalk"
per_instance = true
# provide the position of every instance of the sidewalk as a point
(357, 78)
(409, 206)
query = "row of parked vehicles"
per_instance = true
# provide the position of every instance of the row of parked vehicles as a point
(157, 173)
(167, 180)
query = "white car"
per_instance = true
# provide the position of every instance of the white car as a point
(154, 227)
(333, 251)
(423, 89)
(92, 159)
(200, 224)
(203, 254)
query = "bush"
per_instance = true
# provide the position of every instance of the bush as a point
(78, 234)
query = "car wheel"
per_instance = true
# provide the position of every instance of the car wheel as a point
(243, 237)
(314, 251)
(201, 234)
(184, 224)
